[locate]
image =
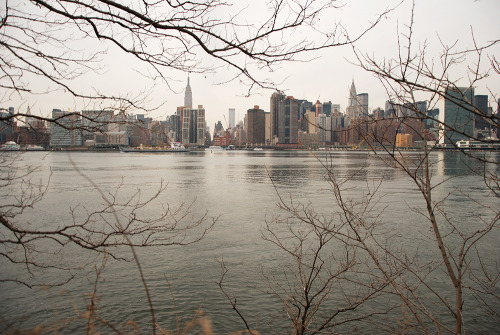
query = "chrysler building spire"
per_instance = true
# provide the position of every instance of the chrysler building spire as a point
(352, 109)
(352, 95)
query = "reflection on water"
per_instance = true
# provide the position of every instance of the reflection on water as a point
(289, 175)
(458, 163)
(237, 187)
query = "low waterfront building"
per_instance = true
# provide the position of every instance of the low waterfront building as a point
(404, 140)
(65, 129)
(309, 139)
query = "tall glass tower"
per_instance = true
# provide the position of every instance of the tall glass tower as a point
(288, 119)
(458, 115)
(232, 118)
(276, 99)
(481, 118)
(362, 104)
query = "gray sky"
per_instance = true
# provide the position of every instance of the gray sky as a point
(329, 77)
(326, 78)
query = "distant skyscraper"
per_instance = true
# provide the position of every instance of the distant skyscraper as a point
(362, 104)
(337, 125)
(458, 118)
(95, 121)
(390, 109)
(188, 96)
(319, 108)
(304, 107)
(174, 121)
(193, 126)
(192, 121)
(327, 108)
(421, 108)
(324, 128)
(7, 125)
(256, 126)
(29, 119)
(357, 104)
(496, 119)
(268, 127)
(288, 111)
(413, 110)
(218, 127)
(432, 123)
(335, 108)
(309, 120)
(232, 118)
(65, 129)
(276, 99)
(352, 102)
(481, 104)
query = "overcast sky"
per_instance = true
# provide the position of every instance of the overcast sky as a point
(327, 78)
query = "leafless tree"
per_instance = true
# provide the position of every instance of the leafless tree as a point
(444, 277)
(416, 76)
(349, 248)
(350, 259)
(58, 42)
(409, 78)
(50, 45)
(327, 284)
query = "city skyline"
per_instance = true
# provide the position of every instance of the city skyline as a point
(326, 78)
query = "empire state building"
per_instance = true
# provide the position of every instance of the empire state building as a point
(188, 96)
(192, 121)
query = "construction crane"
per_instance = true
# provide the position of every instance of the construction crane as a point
(357, 146)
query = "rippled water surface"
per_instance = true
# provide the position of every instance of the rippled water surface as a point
(240, 190)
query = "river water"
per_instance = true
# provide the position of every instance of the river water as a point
(239, 191)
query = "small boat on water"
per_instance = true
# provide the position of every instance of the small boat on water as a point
(215, 148)
(487, 144)
(10, 146)
(33, 147)
(174, 147)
